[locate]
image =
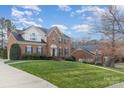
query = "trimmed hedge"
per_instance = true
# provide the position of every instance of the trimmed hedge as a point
(15, 52)
(71, 58)
(34, 57)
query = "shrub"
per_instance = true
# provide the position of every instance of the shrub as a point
(71, 58)
(87, 62)
(3, 53)
(34, 57)
(122, 59)
(15, 52)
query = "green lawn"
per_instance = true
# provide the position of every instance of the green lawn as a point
(71, 74)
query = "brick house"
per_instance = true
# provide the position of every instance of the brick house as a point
(37, 40)
(83, 55)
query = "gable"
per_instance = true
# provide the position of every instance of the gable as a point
(57, 31)
(39, 34)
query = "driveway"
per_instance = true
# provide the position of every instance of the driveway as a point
(11, 77)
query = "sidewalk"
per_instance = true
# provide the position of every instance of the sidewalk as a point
(119, 85)
(11, 77)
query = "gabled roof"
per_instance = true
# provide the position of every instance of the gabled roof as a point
(90, 47)
(45, 30)
(58, 30)
(17, 33)
(82, 49)
(18, 37)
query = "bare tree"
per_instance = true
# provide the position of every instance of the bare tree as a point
(110, 26)
(5, 25)
(2, 28)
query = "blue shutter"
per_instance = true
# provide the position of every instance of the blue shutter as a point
(31, 50)
(37, 50)
(41, 51)
(26, 50)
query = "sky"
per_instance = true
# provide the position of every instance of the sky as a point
(73, 20)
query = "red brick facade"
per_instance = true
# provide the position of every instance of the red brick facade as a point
(53, 43)
(82, 55)
(57, 42)
(23, 45)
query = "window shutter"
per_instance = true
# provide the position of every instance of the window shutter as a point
(42, 51)
(31, 49)
(25, 49)
(37, 50)
(62, 51)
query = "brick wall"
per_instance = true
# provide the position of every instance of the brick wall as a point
(11, 40)
(34, 47)
(80, 54)
(53, 38)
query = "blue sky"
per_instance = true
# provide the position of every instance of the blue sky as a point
(74, 20)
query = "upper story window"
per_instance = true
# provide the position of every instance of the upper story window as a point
(60, 40)
(64, 41)
(33, 36)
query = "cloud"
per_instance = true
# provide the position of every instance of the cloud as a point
(17, 13)
(82, 28)
(72, 14)
(27, 22)
(24, 18)
(30, 7)
(90, 9)
(64, 8)
(40, 20)
(28, 13)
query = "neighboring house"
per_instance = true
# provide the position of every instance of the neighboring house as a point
(88, 51)
(83, 55)
(37, 40)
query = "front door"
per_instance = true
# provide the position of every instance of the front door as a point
(53, 52)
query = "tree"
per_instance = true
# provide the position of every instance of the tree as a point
(5, 25)
(15, 52)
(2, 27)
(110, 27)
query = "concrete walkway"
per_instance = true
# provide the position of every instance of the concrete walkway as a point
(11, 77)
(119, 85)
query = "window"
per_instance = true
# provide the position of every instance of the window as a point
(29, 50)
(62, 50)
(39, 50)
(59, 51)
(59, 40)
(66, 51)
(33, 36)
(64, 41)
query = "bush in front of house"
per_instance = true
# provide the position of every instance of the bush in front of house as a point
(122, 59)
(89, 62)
(34, 57)
(70, 58)
(3, 53)
(15, 52)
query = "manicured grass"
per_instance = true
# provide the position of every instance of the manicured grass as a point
(71, 74)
